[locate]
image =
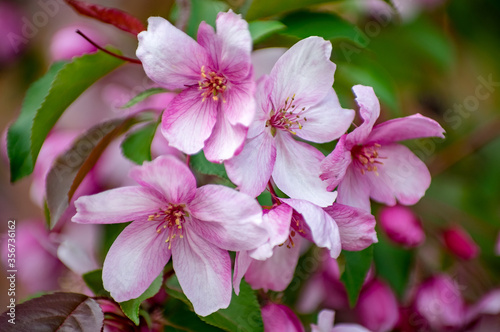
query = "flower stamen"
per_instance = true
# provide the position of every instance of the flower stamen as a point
(170, 219)
(212, 84)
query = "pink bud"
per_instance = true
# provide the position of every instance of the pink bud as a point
(377, 307)
(459, 242)
(401, 225)
(67, 44)
(280, 318)
(439, 302)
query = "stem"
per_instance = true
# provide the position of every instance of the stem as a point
(124, 58)
(188, 159)
(273, 193)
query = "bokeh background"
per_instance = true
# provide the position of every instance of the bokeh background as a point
(440, 58)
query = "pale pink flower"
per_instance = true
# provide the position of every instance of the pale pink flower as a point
(216, 105)
(377, 307)
(171, 217)
(484, 315)
(368, 163)
(296, 99)
(337, 227)
(460, 243)
(401, 225)
(280, 318)
(325, 324)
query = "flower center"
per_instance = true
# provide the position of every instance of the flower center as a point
(367, 157)
(212, 84)
(289, 118)
(171, 220)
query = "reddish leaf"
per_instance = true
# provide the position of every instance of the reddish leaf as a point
(54, 312)
(116, 17)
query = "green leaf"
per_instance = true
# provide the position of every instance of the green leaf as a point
(260, 30)
(143, 95)
(203, 10)
(357, 264)
(393, 264)
(46, 101)
(326, 25)
(243, 314)
(131, 307)
(265, 8)
(201, 165)
(93, 280)
(70, 168)
(180, 317)
(137, 145)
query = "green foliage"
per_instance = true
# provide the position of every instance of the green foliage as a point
(357, 264)
(203, 10)
(265, 8)
(93, 280)
(180, 317)
(200, 164)
(243, 314)
(46, 101)
(260, 30)
(131, 307)
(144, 95)
(137, 144)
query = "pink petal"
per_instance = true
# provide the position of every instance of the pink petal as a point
(305, 71)
(325, 321)
(204, 273)
(117, 206)
(356, 226)
(264, 60)
(134, 260)
(334, 166)
(326, 121)
(401, 225)
(280, 318)
(489, 304)
(169, 56)
(239, 107)
(410, 127)
(377, 307)
(369, 109)
(169, 177)
(402, 176)
(323, 228)
(241, 264)
(226, 140)
(275, 273)
(188, 121)
(263, 107)
(252, 168)
(349, 328)
(227, 218)
(297, 169)
(277, 221)
(353, 190)
(460, 243)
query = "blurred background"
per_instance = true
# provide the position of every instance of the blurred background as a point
(440, 58)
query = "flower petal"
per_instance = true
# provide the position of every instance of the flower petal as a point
(334, 166)
(304, 71)
(324, 230)
(263, 107)
(275, 273)
(239, 107)
(117, 206)
(356, 226)
(188, 121)
(280, 318)
(169, 177)
(252, 168)
(227, 218)
(204, 273)
(241, 264)
(410, 127)
(297, 169)
(169, 56)
(402, 176)
(226, 140)
(326, 121)
(354, 190)
(369, 109)
(134, 260)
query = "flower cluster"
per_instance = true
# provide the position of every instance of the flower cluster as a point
(262, 132)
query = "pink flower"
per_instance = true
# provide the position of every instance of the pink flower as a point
(280, 318)
(171, 217)
(401, 225)
(377, 307)
(296, 99)
(66, 44)
(216, 105)
(439, 302)
(459, 243)
(325, 324)
(368, 163)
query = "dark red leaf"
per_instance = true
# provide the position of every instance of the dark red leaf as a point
(54, 312)
(116, 17)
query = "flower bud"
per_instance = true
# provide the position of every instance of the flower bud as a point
(459, 242)
(280, 318)
(377, 307)
(401, 225)
(67, 44)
